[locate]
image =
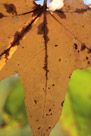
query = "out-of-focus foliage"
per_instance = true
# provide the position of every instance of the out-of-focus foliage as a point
(13, 119)
(15, 103)
(76, 115)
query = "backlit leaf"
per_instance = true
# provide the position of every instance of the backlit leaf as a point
(44, 48)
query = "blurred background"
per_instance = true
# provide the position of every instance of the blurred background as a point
(76, 114)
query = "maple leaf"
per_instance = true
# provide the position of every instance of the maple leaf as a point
(44, 49)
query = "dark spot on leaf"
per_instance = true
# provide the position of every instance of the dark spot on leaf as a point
(10, 8)
(49, 127)
(56, 45)
(88, 62)
(70, 75)
(87, 58)
(59, 60)
(37, 120)
(83, 47)
(1, 15)
(48, 114)
(35, 101)
(22, 47)
(49, 88)
(53, 84)
(75, 45)
(49, 110)
(39, 128)
(62, 103)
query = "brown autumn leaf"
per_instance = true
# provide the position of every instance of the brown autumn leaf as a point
(44, 49)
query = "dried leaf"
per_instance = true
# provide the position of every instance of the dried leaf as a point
(44, 49)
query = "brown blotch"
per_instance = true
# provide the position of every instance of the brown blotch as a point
(10, 8)
(61, 14)
(41, 31)
(1, 15)
(17, 37)
(82, 10)
(41, 28)
(49, 127)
